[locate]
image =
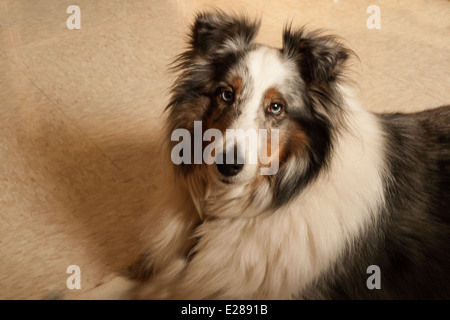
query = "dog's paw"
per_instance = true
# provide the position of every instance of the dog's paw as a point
(141, 270)
(115, 287)
(152, 290)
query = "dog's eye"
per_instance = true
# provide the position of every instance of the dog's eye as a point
(227, 96)
(275, 108)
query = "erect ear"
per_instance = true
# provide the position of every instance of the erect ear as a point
(319, 58)
(216, 32)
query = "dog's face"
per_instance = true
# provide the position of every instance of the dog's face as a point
(287, 97)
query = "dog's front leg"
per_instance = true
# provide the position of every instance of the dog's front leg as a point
(168, 237)
(216, 271)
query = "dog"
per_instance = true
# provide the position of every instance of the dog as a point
(353, 189)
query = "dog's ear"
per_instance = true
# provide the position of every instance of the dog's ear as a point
(216, 32)
(320, 59)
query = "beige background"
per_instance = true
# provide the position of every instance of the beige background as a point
(80, 114)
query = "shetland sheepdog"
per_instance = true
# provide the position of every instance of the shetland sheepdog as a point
(354, 191)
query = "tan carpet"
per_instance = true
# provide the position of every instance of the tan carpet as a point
(80, 115)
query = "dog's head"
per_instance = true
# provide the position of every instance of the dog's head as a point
(249, 125)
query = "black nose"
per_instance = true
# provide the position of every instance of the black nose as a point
(230, 169)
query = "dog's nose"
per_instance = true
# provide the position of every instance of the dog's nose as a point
(230, 169)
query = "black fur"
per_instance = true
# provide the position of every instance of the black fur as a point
(320, 58)
(318, 151)
(411, 240)
(204, 64)
(320, 61)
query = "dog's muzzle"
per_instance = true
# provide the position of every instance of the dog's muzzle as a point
(228, 169)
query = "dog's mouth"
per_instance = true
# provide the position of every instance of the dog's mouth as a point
(226, 178)
(229, 170)
(225, 181)
(228, 174)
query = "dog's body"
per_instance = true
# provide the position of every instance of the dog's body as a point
(353, 189)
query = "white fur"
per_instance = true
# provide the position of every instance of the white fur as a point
(276, 256)
(266, 70)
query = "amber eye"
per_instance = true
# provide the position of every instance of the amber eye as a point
(275, 108)
(227, 96)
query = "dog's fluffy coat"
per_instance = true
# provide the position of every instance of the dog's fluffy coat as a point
(353, 189)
